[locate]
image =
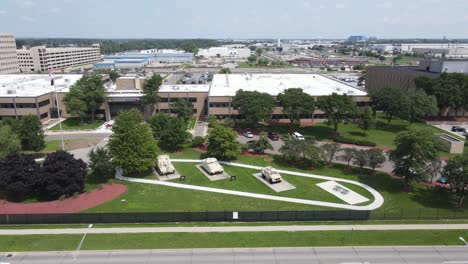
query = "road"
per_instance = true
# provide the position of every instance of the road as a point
(322, 255)
(76, 135)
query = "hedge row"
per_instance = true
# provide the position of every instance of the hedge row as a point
(355, 141)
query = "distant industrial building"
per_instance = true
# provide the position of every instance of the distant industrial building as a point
(173, 57)
(8, 57)
(42, 59)
(225, 52)
(318, 62)
(378, 77)
(142, 59)
(358, 38)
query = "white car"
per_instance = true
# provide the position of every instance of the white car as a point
(298, 136)
(248, 134)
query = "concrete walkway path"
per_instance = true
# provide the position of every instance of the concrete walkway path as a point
(378, 199)
(230, 229)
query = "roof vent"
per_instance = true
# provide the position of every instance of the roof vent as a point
(11, 91)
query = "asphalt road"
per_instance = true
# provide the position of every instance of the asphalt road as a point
(323, 255)
(76, 135)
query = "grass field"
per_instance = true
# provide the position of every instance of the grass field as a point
(75, 124)
(381, 133)
(230, 240)
(423, 201)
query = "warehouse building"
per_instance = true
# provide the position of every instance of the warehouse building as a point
(8, 57)
(42, 59)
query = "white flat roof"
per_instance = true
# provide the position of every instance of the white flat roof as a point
(180, 88)
(273, 84)
(33, 85)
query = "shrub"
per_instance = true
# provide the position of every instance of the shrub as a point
(354, 141)
(198, 141)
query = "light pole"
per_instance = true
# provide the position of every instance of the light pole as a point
(51, 73)
(463, 240)
(75, 256)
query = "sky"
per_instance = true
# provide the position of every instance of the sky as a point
(243, 19)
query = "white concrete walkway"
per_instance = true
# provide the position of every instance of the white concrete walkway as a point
(378, 199)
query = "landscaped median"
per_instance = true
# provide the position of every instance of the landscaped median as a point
(18, 243)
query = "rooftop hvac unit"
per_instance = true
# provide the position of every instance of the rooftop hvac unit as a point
(350, 92)
(11, 91)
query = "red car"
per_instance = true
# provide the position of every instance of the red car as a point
(108, 126)
(273, 136)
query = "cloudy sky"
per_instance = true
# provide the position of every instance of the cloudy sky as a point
(235, 18)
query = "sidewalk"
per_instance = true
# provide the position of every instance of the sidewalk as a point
(230, 229)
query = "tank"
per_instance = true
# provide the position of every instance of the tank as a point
(271, 175)
(164, 165)
(212, 166)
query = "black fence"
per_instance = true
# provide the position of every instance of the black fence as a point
(155, 217)
(418, 214)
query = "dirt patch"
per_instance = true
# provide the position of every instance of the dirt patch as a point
(200, 150)
(70, 205)
(268, 159)
(81, 143)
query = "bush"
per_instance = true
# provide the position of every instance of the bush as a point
(101, 164)
(198, 141)
(354, 141)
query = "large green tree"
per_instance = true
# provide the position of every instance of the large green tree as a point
(307, 152)
(89, 91)
(183, 108)
(255, 106)
(456, 172)
(100, 162)
(174, 135)
(366, 119)
(75, 104)
(9, 141)
(150, 96)
(132, 145)
(338, 108)
(31, 134)
(222, 143)
(421, 105)
(260, 145)
(415, 149)
(392, 101)
(296, 103)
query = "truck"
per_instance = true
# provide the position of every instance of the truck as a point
(211, 166)
(165, 165)
(271, 175)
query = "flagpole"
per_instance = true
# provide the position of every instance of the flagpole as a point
(58, 110)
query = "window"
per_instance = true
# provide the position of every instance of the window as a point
(44, 115)
(44, 103)
(7, 105)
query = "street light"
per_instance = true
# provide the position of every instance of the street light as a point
(463, 240)
(75, 256)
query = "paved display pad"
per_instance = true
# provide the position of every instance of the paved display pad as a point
(277, 187)
(347, 195)
(167, 177)
(215, 177)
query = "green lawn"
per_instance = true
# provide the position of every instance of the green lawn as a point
(75, 124)
(381, 133)
(230, 240)
(422, 202)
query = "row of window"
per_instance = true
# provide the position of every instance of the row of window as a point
(166, 99)
(24, 105)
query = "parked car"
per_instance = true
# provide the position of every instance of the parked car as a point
(248, 134)
(271, 175)
(108, 126)
(458, 129)
(273, 136)
(298, 136)
(212, 166)
(442, 180)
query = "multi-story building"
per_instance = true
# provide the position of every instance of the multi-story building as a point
(8, 58)
(42, 59)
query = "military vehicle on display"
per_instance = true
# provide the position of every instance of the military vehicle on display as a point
(271, 175)
(164, 165)
(211, 166)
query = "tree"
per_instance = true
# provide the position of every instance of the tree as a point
(158, 124)
(382, 58)
(191, 47)
(296, 103)
(331, 149)
(259, 52)
(366, 119)
(101, 164)
(113, 75)
(305, 151)
(456, 172)
(75, 103)
(314, 155)
(348, 155)
(31, 134)
(132, 146)
(88, 90)
(255, 106)
(9, 141)
(222, 143)
(260, 145)
(392, 101)
(18, 173)
(415, 149)
(360, 159)
(225, 71)
(375, 158)
(150, 94)
(183, 109)
(252, 59)
(293, 150)
(421, 105)
(61, 175)
(339, 108)
(174, 135)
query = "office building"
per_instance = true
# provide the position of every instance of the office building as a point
(225, 52)
(8, 57)
(42, 59)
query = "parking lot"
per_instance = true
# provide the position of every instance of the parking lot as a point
(276, 144)
(448, 128)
